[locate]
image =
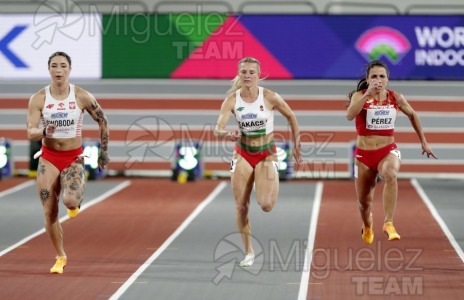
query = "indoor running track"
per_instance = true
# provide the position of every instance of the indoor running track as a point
(157, 239)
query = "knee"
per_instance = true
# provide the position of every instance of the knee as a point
(242, 209)
(390, 175)
(51, 216)
(72, 201)
(364, 204)
(266, 205)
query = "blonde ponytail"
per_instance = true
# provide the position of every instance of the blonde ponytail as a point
(236, 85)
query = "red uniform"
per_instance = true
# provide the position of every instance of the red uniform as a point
(254, 156)
(377, 119)
(62, 159)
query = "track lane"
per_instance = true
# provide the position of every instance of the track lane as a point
(202, 262)
(421, 265)
(9, 183)
(105, 244)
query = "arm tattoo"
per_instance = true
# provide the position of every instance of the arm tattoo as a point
(94, 105)
(99, 116)
(104, 142)
(104, 134)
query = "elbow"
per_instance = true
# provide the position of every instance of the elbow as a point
(103, 125)
(217, 132)
(351, 114)
(103, 122)
(292, 119)
(29, 136)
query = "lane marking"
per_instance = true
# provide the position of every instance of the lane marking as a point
(311, 283)
(168, 241)
(98, 199)
(121, 282)
(311, 237)
(16, 188)
(437, 217)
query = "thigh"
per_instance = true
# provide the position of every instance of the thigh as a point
(242, 179)
(73, 181)
(267, 176)
(365, 180)
(48, 184)
(390, 164)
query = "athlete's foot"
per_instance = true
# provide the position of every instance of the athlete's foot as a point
(248, 260)
(390, 230)
(367, 233)
(74, 212)
(58, 267)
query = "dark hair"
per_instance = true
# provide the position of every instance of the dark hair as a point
(362, 83)
(59, 53)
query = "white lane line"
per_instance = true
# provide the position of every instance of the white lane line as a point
(99, 199)
(16, 188)
(437, 217)
(311, 237)
(166, 244)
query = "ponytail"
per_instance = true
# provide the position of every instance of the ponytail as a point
(236, 85)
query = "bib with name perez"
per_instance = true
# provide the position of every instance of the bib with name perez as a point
(378, 117)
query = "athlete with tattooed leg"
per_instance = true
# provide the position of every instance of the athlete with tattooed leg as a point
(55, 116)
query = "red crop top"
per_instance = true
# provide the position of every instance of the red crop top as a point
(377, 119)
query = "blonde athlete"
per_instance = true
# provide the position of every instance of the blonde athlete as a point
(59, 107)
(254, 160)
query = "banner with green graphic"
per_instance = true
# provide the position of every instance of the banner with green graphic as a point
(288, 46)
(152, 46)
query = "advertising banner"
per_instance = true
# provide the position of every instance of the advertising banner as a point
(339, 47)
(27, 41)
(208, 46)
(288, 46)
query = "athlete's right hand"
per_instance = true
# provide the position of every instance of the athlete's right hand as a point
(372, 87)
(50, 130)
(233, 135)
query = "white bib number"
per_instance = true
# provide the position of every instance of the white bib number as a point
(380, 118)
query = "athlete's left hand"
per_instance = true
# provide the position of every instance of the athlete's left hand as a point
(296, 153)
(426, 149)
(103, 159)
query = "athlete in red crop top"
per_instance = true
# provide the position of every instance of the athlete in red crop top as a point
(60, 173)
(375, 109)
